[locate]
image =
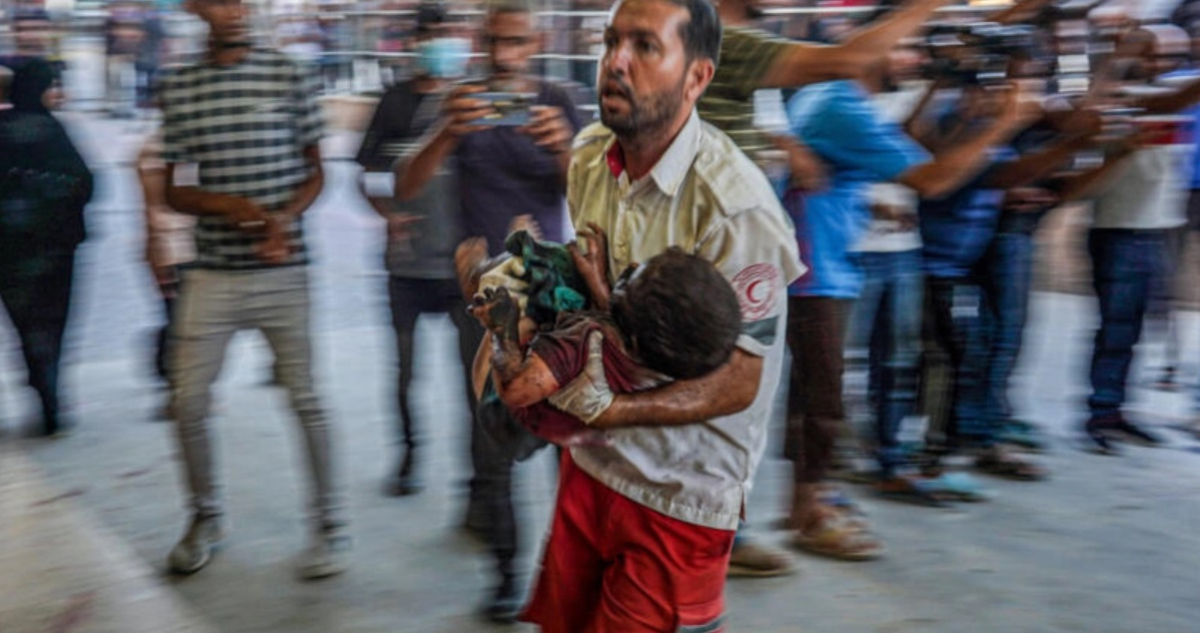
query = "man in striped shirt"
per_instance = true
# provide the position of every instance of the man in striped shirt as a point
(240, 139)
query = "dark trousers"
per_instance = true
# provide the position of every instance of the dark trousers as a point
(886, 323)
(410, 298)
(170, 297)
(1006, 277)
(497, 441)
(953, 365)
(1125, 265)
(815, 336)
(36, 291)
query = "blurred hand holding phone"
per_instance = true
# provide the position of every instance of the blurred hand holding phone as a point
(505, 109)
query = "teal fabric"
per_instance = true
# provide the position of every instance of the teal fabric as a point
(554, 284)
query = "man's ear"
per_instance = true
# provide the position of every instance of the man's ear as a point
(700, 73)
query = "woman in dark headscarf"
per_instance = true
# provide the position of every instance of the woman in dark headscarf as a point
(35, 86)
(44, 185)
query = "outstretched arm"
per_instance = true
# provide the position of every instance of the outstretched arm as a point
(804, 64)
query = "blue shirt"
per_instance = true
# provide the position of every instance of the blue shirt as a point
(838, 121)
(957, 229)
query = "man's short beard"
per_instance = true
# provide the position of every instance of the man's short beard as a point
(649, 117)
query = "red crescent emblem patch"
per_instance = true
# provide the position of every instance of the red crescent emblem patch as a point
(757, 288)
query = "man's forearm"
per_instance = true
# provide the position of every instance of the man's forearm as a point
(1032, 168)
(1085, 184)
(1022, 11)
(955, 165)
(415, 171)
(194, 201)
(875, 41)
(308, 192)
(802, 63)
(1171, 103)
(728, 390)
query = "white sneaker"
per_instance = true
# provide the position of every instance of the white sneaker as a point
(327, 555)
(196, 548)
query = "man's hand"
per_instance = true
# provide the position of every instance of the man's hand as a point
(1019, 110)
(461, 110)
(525, 222)
(274, 249)
(399, 226)
(165, 275)
(246, 215)
(549, 128)
(593, 264)
(807, 169)
(906, 220)
(1028, 199)
(588, 396)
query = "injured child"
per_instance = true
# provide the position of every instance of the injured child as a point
(673, 318)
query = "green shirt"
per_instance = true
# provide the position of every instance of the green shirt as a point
(747, 55)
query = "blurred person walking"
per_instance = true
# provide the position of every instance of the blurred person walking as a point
(241, 132)
(44, 186)
(169, 247)
(1138, 204)
(422, 233)
(510, 176)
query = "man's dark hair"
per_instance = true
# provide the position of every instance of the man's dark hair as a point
(430, 14)
(681, 314)
(702, 34)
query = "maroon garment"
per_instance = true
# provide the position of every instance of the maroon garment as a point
(564, 350)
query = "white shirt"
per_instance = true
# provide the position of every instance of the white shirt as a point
(706, 197)
(1147, 193)
(887, 236)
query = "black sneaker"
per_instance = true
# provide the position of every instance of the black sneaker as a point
(1129, 432)
(1098, 436)
(505, 605)
(406, 481)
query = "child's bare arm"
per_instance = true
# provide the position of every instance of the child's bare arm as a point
(522, 379)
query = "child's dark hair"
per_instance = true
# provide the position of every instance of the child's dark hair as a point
(681, 315)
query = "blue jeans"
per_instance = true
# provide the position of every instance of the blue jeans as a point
(1006, 277)
(1125, 265)
(887, 321)
(953, 366)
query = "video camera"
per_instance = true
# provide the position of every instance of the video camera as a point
(977, 54)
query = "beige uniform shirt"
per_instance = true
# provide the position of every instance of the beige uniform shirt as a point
(706, 197)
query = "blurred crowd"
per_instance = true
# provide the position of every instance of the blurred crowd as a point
(868, 178)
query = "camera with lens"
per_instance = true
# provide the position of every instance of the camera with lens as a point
(977, 54)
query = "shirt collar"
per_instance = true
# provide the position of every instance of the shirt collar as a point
(674, 164)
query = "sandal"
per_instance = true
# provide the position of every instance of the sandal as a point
(1009, 466)
(840, 538)
(836, 499)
